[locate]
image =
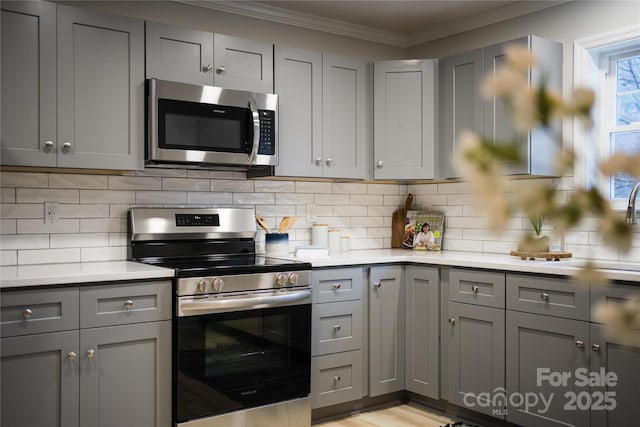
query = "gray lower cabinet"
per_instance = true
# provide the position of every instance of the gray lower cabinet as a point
(476, 343)
(386, 330)
(422, 331)
(540, 347)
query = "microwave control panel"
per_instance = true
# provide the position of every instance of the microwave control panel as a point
(267, 132)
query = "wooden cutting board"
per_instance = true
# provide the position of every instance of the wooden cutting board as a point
(397, 223)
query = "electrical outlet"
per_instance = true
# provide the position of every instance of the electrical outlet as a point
(50, 212)
(310, 210)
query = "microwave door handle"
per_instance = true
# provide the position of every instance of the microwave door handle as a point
(256, 131)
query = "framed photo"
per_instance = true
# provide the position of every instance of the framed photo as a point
(409, 229)
(428, 231)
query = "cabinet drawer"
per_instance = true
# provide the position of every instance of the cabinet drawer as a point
(547, 295)
(341, 284)
(617, 293)
(39, 311)
(336, 327)
(477, 287)
(126, 303)
(336, 378)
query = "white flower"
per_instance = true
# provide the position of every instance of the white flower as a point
(622, 320)
(519, 57)
(622, 163)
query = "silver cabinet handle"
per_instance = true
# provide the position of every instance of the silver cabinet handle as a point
(48, 146)
(207, 68)
(380, 164)
(595, 347)
(27, 313)
(318, 161)
(329, 162)
(579, 344)
(128, 304)
(72, 355)
(337, 286)
(452, 321)
(377, 285)
(336, 328)
(91, 353)
(336, 378)
(66, 147)
(544, 296)
(475, 289)
(220, 70)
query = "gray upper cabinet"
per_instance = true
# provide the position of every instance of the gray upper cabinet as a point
(345, 110)
(404, 141)
(298, 84)
(386, 331)
(94, 62)
(462, 106)
(422, 326)
(28, 84)
(242, 64)
(179, 54)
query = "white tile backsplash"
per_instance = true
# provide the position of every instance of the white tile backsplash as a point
(8, 226)
(47, 256)
(60, 180)
(37, 226)
(79, 240)
(37, 195)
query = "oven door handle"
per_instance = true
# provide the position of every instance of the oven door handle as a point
(253, 302)
(255, 116)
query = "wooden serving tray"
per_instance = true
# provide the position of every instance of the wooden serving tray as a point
(549, 256)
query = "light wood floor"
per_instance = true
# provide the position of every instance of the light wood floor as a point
(397, 416)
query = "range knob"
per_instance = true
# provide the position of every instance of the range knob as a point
(203, 285)
(293, 279)
(218, 284)
(280, 279)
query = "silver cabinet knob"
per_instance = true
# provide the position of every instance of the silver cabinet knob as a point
(220, 70)
(318, 161)
(66, 147)
(595, 347)
(336, 328)
(72, 355)
(27, 313)
(377, 285)
(48, 146)
(544, 296)
(337, 286)
(380, 164)
(452, 321)
(475, 289)
(207, 68)
(128, 304)
(293, 279)
(336, 378)
(218, 284)
(329, 162)
(579, 344)
(90, 353)
(280, 279)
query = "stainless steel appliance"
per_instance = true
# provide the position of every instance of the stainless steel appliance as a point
(207, 125)
(242, 324)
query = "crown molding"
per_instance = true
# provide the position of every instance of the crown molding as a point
(304, 20)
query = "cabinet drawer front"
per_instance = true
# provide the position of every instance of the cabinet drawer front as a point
(126, 303)
(39, 311)
(342, 284)
(617, 293)
(547, 295)
(477, 287)
(336, 327)
(336, 378)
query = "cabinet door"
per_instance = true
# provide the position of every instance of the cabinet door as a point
(242, 64)
(39, 375)
(344, 139)
(28, 84)
(622, 359)
(461, 104)
(178, 54)
(127, 379)
(386, 331)
(552, 345)
(476, 357)
(298, 83)
(100, 90)
(422, 338)
(404, 132)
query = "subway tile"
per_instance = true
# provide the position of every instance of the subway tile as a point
(24, 241)
(332, 199)
(48, 256)
(378, 232)
(349, 188)
(632, 256)
(254, 198)
(387, 242)
(232, 186)
(119, 211)
(23, 179)
(447, 210)
(275, 210)
(37, 226)
(274, 186)
(459, 199)
(22, 210)
(100, 225)
(85, 210)
(82, 240)
(134, 183)
(422, 189)
(576, 238)
(107, 196)
(357, 232)
(454, 188)
(334, 221)
(118, 239)
(381, 210)
(209, 198)
(7, 195)
(196, 173)
(386, 221)
(452, 233)
(324, 210)
(163, 172)
(357, 244)
(368, 221)
(59, 180)
(479, 234)
(498, 247)
(112, 253)
(394, 199)
(38, 195)
(462, 245)
(602, 253)
(8, 226)
(350, 210)
(186, 184)
(430, 200)
(359, 199)
(313, 187)
(8, 258)
(467, 222)
(383, 189)
(161, 197)
(294, 198)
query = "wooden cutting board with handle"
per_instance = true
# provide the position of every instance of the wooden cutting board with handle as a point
(397, 223)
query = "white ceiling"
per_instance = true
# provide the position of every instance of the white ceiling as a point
(395, 22)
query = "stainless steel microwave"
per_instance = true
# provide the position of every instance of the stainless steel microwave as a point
(207, 125)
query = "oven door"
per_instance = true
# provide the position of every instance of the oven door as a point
(239, 359)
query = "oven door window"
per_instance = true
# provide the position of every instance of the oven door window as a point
(238, 360)
(204, 127)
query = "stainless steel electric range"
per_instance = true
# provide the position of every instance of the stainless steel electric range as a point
(242, 323)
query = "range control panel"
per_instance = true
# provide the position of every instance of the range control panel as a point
(197, 220)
